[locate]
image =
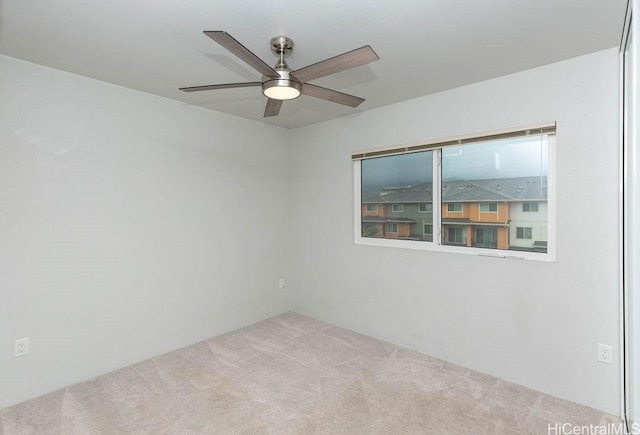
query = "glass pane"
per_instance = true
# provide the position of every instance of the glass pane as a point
(399, 188)
(494, 194)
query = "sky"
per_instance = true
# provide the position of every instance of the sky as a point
(507, 158)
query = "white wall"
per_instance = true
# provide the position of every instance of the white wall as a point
(533, 323)
(130, 225)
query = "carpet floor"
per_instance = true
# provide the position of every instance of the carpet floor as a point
(295, 375)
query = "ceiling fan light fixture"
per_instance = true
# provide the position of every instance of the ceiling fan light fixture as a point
(281, 89)
(278, 84)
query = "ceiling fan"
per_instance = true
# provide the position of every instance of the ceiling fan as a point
(281, 82)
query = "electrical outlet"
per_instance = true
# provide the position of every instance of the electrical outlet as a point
(605, 353)
(21, 347)
(281, 283)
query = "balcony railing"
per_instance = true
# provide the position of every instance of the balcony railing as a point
(458, 241)
(491, 244)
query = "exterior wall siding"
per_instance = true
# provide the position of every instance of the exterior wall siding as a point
(456, 214)
(378, 213)
(404, 230)
(501, 215)
(411, 211)
(537, 221)
(503, 238)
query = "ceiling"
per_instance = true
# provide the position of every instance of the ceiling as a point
(425, 46)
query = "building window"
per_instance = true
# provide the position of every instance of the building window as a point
(427, 229)
(523, 232)
(372, 208)
(488, 207)
(486, 237)
(424, 207)
(454, 236)
(479, 195)
(455, 207)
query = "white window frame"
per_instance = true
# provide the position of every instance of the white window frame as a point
(530, 204)
(436, 245)
(372, 211)
(400, 208)
(386, 228)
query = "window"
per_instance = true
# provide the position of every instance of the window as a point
(455, 207)
(372, 208)
(424, 207)
(486, 237)
(491, 194)
(488, 207)
(454, 236)
(523, 232)
(399, 180)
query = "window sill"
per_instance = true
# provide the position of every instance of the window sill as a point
(464, 250)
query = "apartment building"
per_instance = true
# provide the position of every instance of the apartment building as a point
(498, 213)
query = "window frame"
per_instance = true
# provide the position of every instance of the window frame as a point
(449, 204)
(436, 245)
(455, 230)
(389, 224)
(490, 230)
(524, 233)
(530, 204)
(397, 205)
(488, 204)
(423, 226)
(420, 204)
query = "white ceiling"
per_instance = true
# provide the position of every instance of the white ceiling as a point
(425, 46)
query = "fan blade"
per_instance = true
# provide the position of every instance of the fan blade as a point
(273, 108)
(331, 95)
(351, 59)
(229, 42)
(223, 86)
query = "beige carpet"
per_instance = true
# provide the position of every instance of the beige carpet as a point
(294, 375)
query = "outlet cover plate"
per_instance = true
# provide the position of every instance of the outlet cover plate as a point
(21, 347)
(605, 353)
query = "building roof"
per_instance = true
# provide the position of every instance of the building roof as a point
(517, 189)
(404, 195)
